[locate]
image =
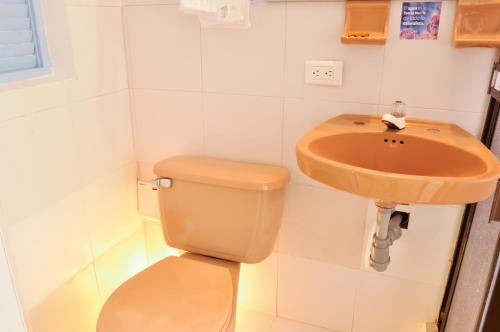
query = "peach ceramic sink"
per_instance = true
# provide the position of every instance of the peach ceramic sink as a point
(426, 163)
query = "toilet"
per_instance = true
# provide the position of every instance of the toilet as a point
(222, 213)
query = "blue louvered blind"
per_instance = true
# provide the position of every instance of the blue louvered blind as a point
(22, 44)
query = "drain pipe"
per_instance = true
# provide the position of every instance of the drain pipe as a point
(387, 231)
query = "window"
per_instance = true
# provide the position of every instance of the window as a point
(23, 47)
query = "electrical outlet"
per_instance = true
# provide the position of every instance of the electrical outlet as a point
(324, 72)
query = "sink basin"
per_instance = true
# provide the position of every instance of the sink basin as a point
(425, 163)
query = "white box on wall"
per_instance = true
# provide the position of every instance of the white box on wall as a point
(147, 196)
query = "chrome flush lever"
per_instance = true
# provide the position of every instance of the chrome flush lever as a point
(157, 183)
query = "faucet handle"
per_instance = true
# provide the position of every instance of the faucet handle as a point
(398, 109)
(397, 118)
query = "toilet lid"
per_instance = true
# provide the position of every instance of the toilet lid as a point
(176, 294)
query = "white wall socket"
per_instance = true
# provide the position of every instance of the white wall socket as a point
(324, 72)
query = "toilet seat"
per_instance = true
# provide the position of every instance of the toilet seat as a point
(177, 294)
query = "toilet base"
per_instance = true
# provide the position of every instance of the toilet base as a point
(234, 268)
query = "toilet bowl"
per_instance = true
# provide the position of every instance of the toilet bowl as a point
(187, 293)
(222, 213)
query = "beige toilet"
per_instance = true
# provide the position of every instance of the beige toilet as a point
(222, 213)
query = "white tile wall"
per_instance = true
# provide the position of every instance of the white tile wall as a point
(102, 129)
(10, 309)
(258, 285)
(120, 263)
(243, 127)
(74, 306)
(323, 225)
(111, 208)
(149, 2)
(316, 293)
(39, 163)
(318, 39)
(164, 49)
(165, 117)
(247, 61)
(393, 305)
(98, 49)
(115, 3)
(21, 102)
(51, 244)
(243, 97)
(254, 321)
(433, 74)
(68, 166)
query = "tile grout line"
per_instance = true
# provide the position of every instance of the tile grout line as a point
(354, 302)
(282, 157)
(130, 90)
(65, 104)
(374, 103)
(202, 88)
(283, 87)
(84, 211)
(11, 275)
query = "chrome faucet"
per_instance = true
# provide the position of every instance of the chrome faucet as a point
(397, 118)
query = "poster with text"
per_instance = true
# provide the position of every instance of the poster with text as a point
(420, 20)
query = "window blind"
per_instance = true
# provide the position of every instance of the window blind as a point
(19, 48)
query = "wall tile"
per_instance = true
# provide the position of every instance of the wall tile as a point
(258, 285)
(167, 123)
(116, 3)
(284, 325)
(20, 102)
(253, 321)
(319, 39)
(146, 170)
(149, 2)
(103, 135)
(393, 305)
(425, 250)
(164, 48)
(74, 306)
(147, 199)
(11, 313)
(301, 115)
(432, 73)
(38, 163)
(120, 263)
(98, 50)
(111, 208)
(243, 127)
(248, 61)
(316, 293)
(324, 225)
(44, 217)
(51, 244)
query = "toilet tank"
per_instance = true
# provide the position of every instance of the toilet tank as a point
(225, 209)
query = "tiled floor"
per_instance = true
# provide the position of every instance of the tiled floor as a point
(253, 321)
(76, 304)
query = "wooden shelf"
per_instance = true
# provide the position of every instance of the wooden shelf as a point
(477, 23)
(366, 21)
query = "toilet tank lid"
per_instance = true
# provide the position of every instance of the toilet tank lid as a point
(233, 174)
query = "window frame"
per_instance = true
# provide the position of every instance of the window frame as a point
(44, 64)
(53, 18)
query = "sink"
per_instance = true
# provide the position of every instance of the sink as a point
(425, 163)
